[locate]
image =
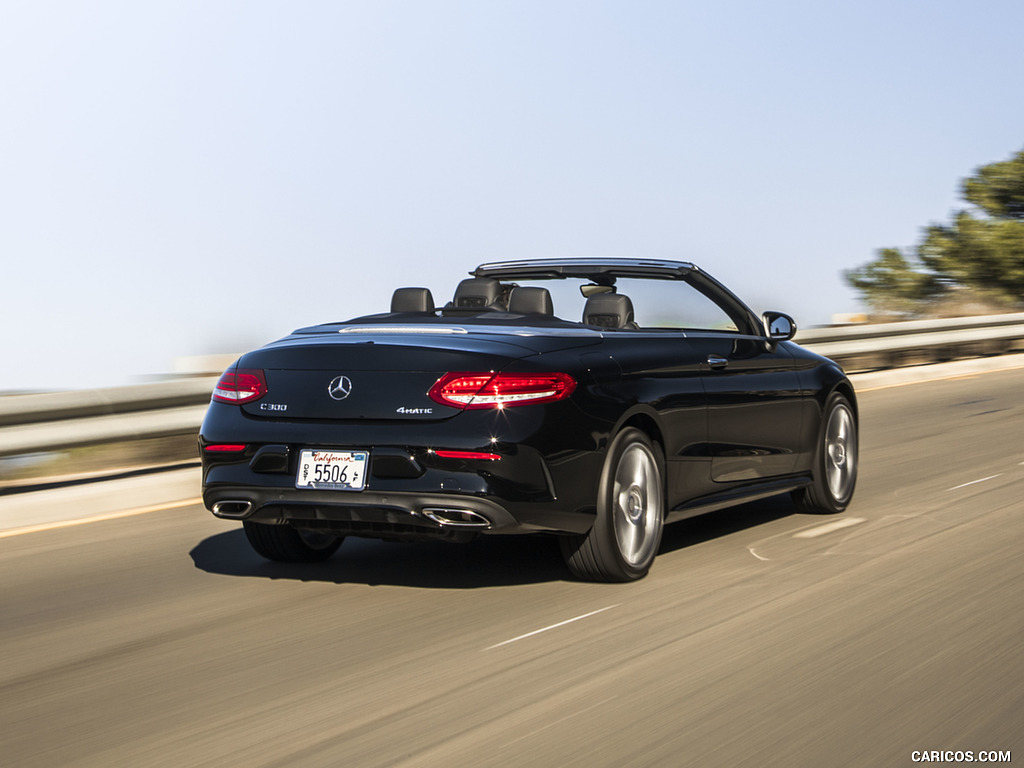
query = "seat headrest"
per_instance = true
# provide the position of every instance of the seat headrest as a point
(479, 293)
(530, 300)
(609, 310)
(412, 300)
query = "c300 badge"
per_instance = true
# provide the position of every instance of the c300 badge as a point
(340, 387)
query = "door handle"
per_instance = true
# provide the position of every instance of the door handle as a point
(717, 362)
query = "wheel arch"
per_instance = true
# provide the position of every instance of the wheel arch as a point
(845, 388)
(829, 378)
(646, 420)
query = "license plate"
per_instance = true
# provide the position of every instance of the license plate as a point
(332, 470)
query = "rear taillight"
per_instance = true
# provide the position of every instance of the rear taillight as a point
(240, 386)
(500, 390)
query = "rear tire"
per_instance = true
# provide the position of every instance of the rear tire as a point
(624, 540)
(283, 543)
(835, 461)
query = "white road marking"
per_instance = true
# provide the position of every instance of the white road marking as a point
(553, 626)
(973, 482)
(98, 518)
(751, 550)
(835, 525)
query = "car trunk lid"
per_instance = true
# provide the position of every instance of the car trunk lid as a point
(355, 376)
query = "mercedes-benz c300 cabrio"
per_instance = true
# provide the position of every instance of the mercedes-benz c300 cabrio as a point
(593, 400)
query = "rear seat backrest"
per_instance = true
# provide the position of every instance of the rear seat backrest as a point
(412, 300)
(479, 293)
(530, 300)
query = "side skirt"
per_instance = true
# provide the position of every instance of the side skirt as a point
(737, 495)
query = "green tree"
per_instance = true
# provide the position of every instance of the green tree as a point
(894, 283)
(980, 254)
(998, 189)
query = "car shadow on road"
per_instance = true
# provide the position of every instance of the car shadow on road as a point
(724, 522)
(494, 561)
(489, 561)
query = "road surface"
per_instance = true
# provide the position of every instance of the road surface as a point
(761, 637)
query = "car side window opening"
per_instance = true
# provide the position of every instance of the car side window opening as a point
(638, 304)
(674, 304)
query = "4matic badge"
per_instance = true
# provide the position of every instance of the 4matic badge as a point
(403, 409)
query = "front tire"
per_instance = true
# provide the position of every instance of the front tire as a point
(285, 544)
(835, 461)
(624, 540)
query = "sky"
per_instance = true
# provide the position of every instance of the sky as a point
(185, 178)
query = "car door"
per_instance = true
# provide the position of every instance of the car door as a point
(755, 405)
(663, 372)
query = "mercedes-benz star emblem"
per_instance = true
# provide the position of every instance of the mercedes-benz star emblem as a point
(340, 387)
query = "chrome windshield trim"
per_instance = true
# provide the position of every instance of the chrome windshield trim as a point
(585, 268)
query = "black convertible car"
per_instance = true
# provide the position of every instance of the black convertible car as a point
(594, 400)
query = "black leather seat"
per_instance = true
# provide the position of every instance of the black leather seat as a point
(412, 300)
(530, 300)
(609, 310)
(479, 293)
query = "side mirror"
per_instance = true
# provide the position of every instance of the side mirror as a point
(778, 326)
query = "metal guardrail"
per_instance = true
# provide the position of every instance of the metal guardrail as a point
(48, 422)
(891, 345)
(60, 420)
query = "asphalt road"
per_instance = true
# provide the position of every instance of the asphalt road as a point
(761, 637)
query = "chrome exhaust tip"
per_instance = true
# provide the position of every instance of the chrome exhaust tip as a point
(232, 509)
(457, 518)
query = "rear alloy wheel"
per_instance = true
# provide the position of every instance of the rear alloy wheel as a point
(624, 540)
(290, 545)
(835, 461)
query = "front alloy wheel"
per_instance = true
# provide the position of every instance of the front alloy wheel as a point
(835, 460)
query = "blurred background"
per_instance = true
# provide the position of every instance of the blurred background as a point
(187, 179)
(182, 181)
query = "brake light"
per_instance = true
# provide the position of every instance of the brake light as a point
(500, 390)
(480, 455)
(240, 386)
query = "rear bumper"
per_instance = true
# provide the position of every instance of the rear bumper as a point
(380, 513)
(519, 497)
(545, 480)
(366, 513)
